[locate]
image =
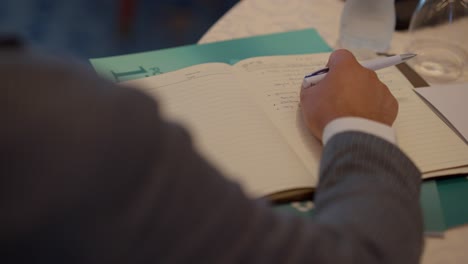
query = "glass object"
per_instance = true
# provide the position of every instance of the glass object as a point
(438, 33)
(367, 25)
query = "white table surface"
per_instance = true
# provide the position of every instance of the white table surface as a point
(258, 17)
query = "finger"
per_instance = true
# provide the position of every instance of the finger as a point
(305, 92)
(340, 58)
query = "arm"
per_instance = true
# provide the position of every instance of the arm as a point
(92, 174)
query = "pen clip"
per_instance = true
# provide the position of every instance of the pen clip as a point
(321, 71)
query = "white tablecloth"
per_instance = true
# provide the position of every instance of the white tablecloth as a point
(256, 17)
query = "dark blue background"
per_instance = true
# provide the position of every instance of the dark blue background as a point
(92, 28)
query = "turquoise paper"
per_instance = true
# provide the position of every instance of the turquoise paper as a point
(434, 222)
(139, 65)
(454, 199)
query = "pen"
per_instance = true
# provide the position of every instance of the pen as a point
(374, 64)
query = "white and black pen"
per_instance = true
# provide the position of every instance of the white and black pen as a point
(374, 64)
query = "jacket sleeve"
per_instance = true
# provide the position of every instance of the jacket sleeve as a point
(90, 173)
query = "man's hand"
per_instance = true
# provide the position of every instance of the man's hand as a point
(348, 90)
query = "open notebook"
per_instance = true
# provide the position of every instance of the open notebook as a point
(246, 120)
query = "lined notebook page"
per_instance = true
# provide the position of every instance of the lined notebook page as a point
(227, 127)
(420, 132)
(275, 84)
(425, 138)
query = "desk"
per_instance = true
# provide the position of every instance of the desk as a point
(256, 17)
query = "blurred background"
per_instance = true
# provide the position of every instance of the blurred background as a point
(97, 28)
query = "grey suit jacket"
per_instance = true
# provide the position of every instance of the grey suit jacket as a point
(90, 173)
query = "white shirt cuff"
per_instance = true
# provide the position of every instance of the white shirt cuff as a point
(359, 124)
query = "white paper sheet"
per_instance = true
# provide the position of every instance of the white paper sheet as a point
(452, 103)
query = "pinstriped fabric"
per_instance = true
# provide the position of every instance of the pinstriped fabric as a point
(378, 156)
(118, 184)
(367, 211)
(358, 168)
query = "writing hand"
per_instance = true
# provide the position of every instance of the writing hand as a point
(348, 90)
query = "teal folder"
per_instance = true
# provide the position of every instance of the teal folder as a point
(454, 199)
(434, 221)
(145, 64)
(139, 65)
